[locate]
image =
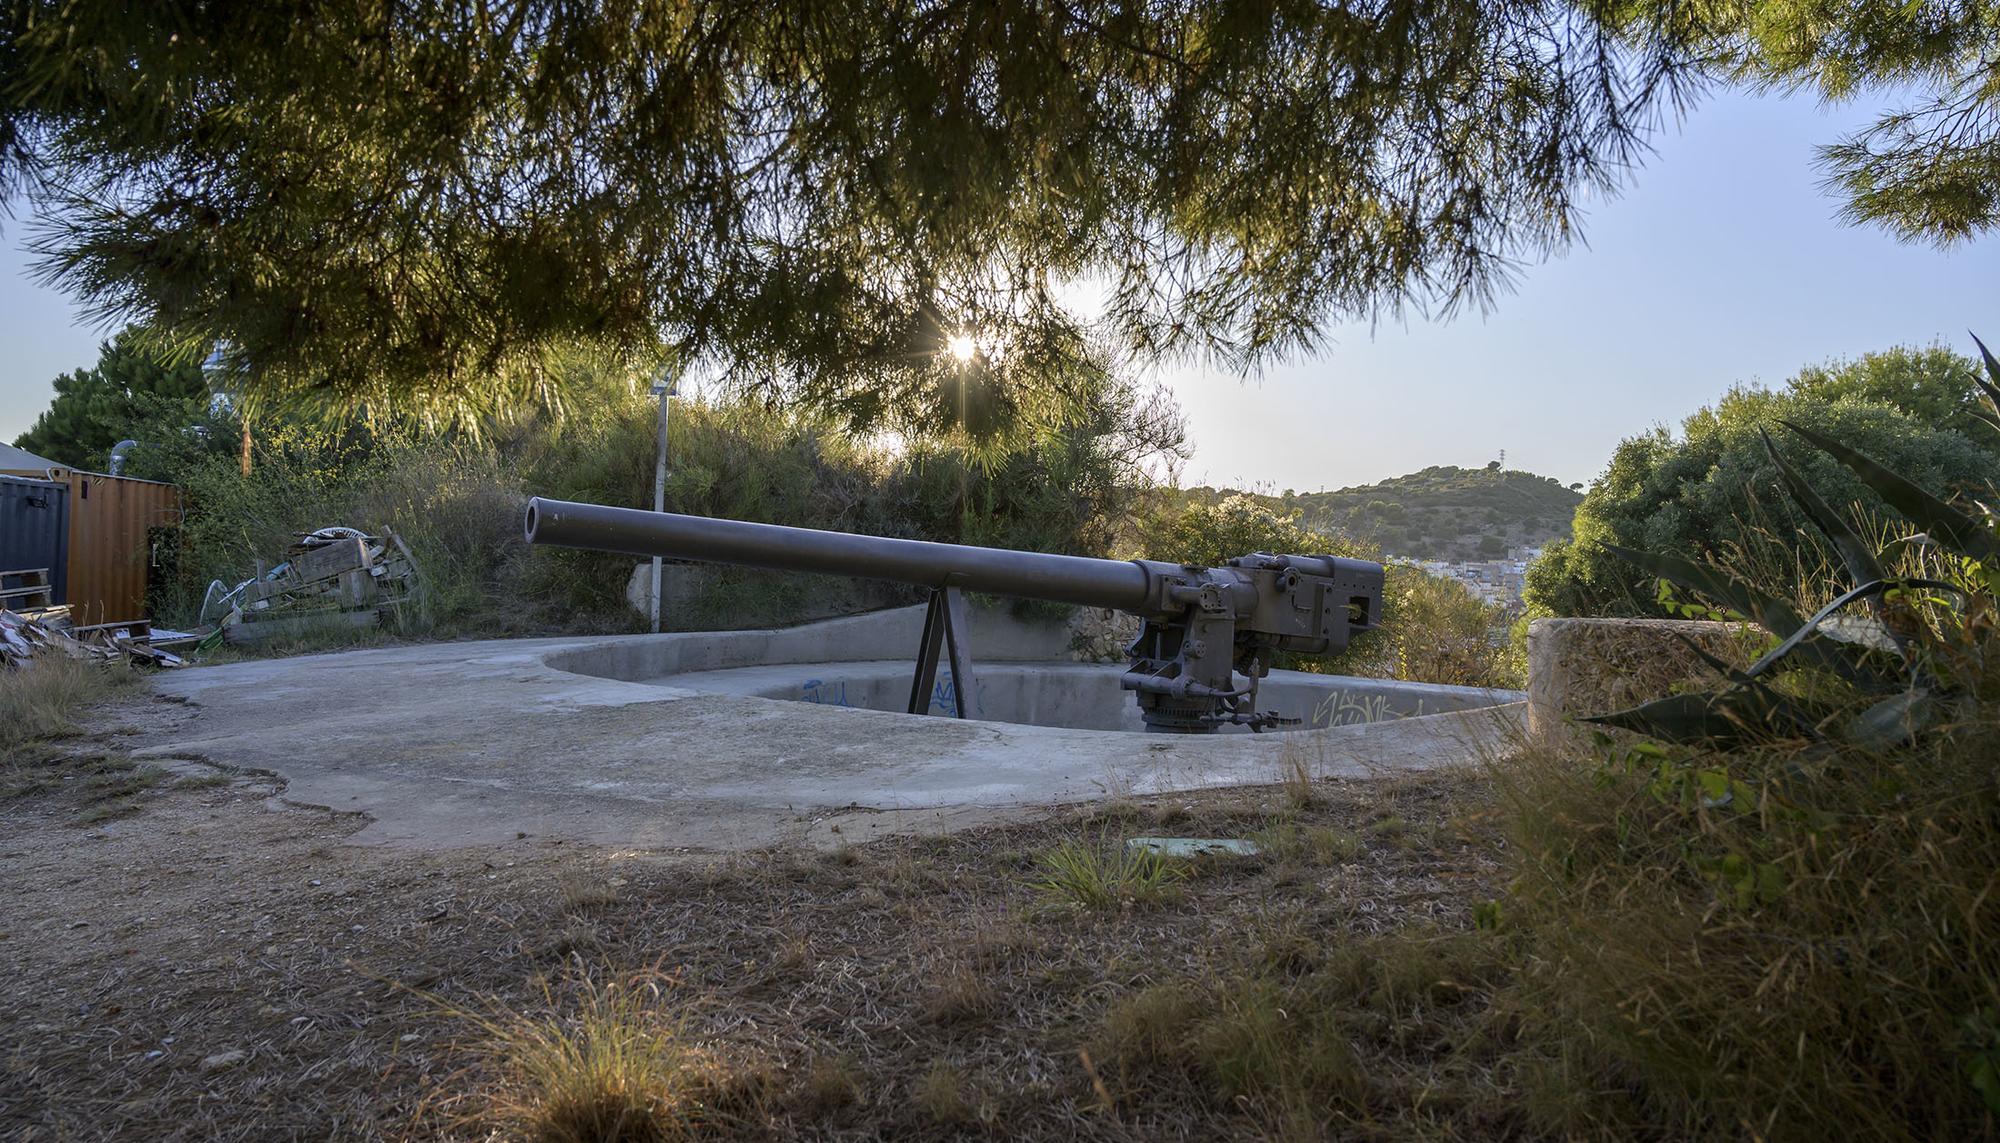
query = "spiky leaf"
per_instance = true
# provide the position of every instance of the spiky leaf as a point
(1944, 523)
(1856, 554)
(1773, 614)
(1735, 716)
(1989, 384)
(1879, 587)
(1894, 720)
(1714, 664)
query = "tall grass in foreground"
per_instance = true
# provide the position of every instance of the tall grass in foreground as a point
(44, 700)
(1778, 914)
(601, 1062)
(1770, 910)
(1817, 955)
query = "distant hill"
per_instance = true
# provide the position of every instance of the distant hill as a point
(1443, 512)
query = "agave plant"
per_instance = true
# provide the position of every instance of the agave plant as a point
(1914, 668)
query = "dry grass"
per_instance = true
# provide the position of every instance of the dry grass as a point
(1815, 958)
(584, 894)
(831, 1084)
(1313, 844)
(603, 1062)
(810, 997)
(45, 700)
(959, 996)
(945, 1098)
(1296, 766)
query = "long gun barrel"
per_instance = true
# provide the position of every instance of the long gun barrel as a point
(998, 571)
(1202, 626)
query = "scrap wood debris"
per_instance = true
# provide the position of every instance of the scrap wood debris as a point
(342, 573)
(47, 631)
(327, 573)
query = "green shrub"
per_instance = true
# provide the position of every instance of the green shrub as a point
(1775, 914)
(1432, 630)
(456, 498)
(1701, 493)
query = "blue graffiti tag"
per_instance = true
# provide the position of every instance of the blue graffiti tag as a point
(819, 691)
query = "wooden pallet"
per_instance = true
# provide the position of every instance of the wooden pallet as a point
(26, 588)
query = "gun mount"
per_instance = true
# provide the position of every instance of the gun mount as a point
(1208, 634)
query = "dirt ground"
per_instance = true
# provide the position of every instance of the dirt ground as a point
(192, 957)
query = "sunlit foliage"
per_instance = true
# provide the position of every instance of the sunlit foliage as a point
(419, 202)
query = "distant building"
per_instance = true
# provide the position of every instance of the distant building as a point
(1498, 582)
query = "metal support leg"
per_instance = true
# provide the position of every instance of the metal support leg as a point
(936, 616)
(945, 625)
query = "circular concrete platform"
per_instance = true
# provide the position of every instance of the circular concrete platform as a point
(675, 741)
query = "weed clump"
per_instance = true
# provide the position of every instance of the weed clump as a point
(44, 700)
(1814, 957)
(959, 996)
(1315, 845)
(1151, 1025)
(831, 1083)
(612, 1068)
(942, 1098)
(1100, 877)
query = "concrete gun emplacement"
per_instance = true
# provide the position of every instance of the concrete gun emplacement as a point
(1208, 634)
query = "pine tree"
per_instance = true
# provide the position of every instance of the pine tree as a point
(130, 393)
(414, 205)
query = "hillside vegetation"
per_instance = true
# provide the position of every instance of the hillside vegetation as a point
(1441, 512)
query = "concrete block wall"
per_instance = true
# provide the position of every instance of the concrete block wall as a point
(1579, 667)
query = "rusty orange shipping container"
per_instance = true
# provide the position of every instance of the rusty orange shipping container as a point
(111, 522)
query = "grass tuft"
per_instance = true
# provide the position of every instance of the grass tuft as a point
(1261, 1049)
(941, 1096)
(44, 701)
(831, 1083)
(1296, 776)
(1100, 876)
(612, 1067)
(1314, 845)
(959, 996)
(1150, 1026)
(581, 894)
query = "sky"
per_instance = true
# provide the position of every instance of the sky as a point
(1721, 263)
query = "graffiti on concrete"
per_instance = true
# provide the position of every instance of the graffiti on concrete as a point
(833, 692)
(824, 693)
(1343, 708)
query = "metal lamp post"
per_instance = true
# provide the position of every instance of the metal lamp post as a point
(664, 388)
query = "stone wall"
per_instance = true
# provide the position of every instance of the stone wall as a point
(1579, 667)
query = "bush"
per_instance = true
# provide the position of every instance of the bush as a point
(1702, 493)
(1774, 915)
(1432, 630)
(1062, 486)
(1812, 958)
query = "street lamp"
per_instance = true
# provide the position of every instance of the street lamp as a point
(664, 387)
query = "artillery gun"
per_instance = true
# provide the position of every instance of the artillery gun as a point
(1207, 636)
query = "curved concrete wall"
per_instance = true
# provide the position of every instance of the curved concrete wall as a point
(996, 637)
(1078, 696)
(1024, 675)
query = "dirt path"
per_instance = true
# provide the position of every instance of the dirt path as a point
(192, 957)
